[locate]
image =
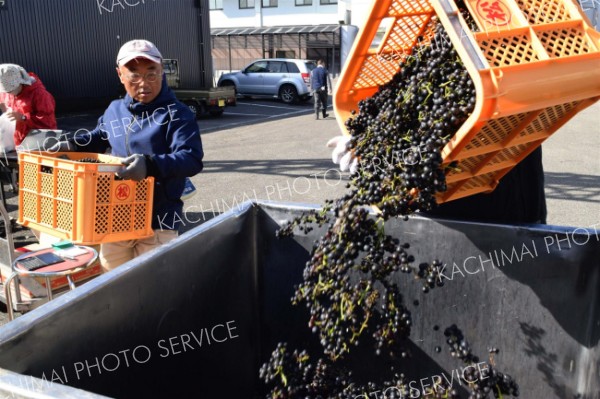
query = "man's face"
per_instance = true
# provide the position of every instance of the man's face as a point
(142, 79)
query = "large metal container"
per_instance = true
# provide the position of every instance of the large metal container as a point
(531, 291)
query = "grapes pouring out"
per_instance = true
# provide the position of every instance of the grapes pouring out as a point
(398, 135)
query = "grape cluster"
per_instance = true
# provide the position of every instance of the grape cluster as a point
(429, 274)
(399, 132)
(482, 380)
(294, 376)
(307, 221)
(348, 284)
(347, 295)
(89, 160)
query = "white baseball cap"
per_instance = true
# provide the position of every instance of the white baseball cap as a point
(138, 48)
(11, 76)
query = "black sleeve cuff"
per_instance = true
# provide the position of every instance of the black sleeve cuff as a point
(151, 168)
(73, 144)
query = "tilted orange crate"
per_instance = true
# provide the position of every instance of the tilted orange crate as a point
(534, 63)
(82, 202)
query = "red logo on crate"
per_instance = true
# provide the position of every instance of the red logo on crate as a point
(494, 12)
(122, 192)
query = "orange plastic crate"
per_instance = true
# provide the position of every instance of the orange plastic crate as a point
(534, 63)
(82, 202)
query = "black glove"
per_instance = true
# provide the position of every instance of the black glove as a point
(135, 168)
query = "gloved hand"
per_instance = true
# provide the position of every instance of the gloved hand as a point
(62, 146)
(135, 168)
(342, 155)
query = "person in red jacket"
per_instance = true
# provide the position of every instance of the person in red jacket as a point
(25, 100)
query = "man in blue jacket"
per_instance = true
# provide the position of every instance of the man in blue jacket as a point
(320, 84)
(156, 134)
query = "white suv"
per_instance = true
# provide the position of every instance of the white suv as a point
(284, 78)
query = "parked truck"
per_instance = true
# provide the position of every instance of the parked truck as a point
(212, 100)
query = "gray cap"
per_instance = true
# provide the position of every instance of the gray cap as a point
(138, 49)
(11, 76)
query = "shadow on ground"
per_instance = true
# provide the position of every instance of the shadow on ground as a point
(279, 167)
(572, 187)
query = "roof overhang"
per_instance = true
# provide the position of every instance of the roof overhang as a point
(274, 30)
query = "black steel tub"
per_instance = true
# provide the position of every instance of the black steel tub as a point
(197, 317)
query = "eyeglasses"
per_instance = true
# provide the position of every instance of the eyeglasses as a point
(137, 77)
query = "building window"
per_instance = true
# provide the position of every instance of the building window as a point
(285, 54)
(325, 2)
(269, 3)
(215, 4)
(246, 4)
(304, 2)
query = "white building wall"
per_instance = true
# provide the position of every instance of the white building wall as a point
(359, 11)
(287, 13)
(232, 18)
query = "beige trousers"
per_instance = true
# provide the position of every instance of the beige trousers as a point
(115, 254)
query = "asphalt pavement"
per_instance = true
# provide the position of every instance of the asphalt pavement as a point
(571, 158)
(286, 159)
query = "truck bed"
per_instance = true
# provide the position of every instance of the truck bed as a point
(210, 100)
(210, 93)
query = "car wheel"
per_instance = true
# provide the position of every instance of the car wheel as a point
(196, 108)
(288, 94)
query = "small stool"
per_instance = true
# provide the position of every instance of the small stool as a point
(65, 268)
